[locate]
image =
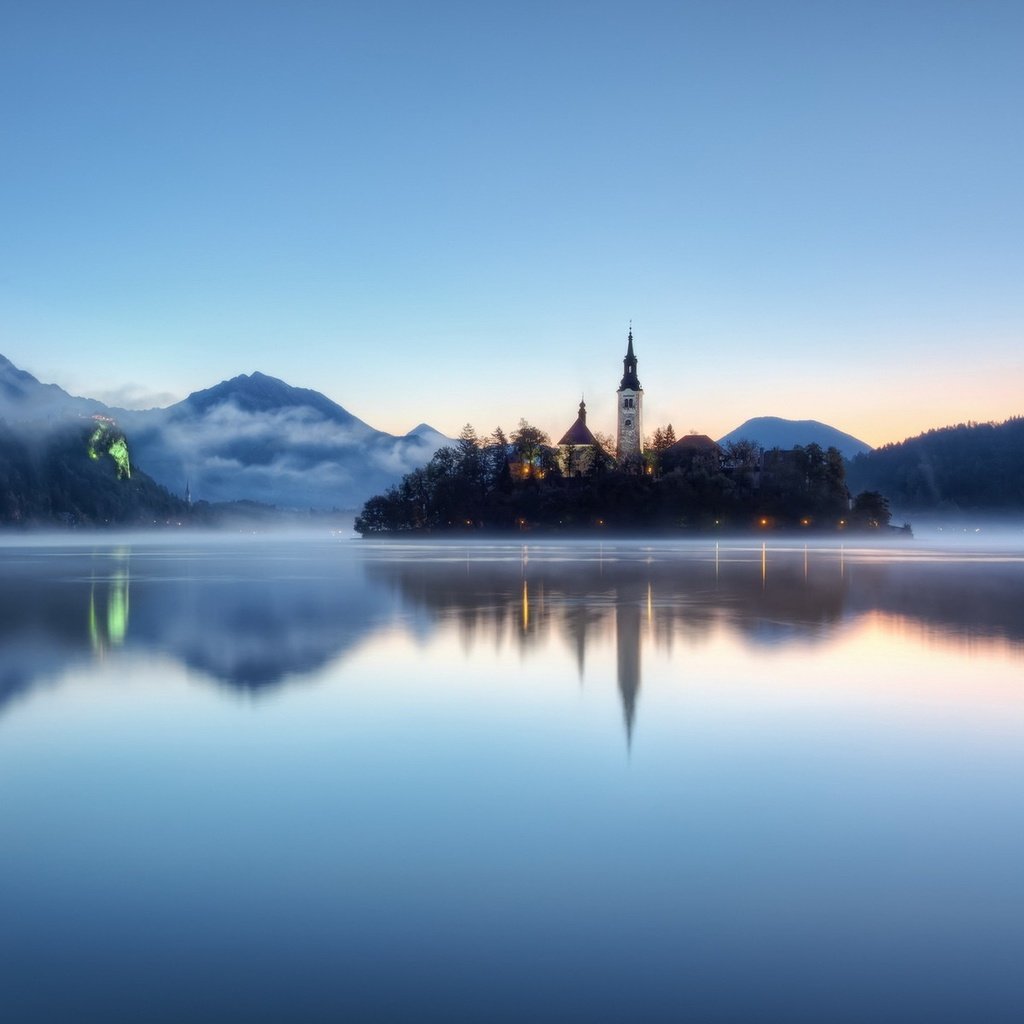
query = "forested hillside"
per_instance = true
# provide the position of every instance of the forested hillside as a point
(969, 467)
(78, 474)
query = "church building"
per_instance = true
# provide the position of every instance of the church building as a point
(578, 447)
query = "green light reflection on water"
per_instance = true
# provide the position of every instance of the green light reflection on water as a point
(112, 630)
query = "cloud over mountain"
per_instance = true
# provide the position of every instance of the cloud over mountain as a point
(134, 396)
(252, 437)
(257, 437)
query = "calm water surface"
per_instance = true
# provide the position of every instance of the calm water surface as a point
(319, 780)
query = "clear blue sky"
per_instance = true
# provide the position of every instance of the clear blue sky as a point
(450, 211)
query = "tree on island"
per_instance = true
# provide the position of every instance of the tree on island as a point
(662, 438)
(870, 510)
(533, 451)
(804, 485)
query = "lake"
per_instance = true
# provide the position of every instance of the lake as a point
(316, 779)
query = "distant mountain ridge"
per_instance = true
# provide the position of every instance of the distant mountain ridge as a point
(23, 397)
(257, 392)
(251, 437)
(776, 432)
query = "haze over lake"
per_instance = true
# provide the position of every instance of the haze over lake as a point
(313, 779)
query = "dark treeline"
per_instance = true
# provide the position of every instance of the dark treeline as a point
(969, 467)
(519, 482)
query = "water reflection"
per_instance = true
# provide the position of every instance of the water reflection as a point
(246, 619)
(816, 803)
(627, 650)
(252, 618)
(109, 606)
(662, 596)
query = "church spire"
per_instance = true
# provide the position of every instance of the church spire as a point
(629, 377)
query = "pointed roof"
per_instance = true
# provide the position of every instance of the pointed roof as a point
(579, 432)
(630, 380)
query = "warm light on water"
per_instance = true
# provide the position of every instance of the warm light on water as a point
(319, 780)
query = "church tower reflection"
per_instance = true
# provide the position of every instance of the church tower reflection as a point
(627, 650)
(594, 598)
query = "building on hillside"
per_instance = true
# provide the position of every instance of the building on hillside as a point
(689, 449)
(527, 467)
(578, 446)
(629, 447)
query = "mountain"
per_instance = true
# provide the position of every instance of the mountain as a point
(258, 393)
(256, 437)
(775, 432)
(252, 437)
(969, 467)
(23, 398)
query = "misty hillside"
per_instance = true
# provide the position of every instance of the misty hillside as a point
(252, 437)
(775, 432)
(969, 467)
(76, 475)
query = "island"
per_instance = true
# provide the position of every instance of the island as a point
(523, 482)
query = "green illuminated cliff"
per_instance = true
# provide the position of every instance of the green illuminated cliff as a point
(106, 439)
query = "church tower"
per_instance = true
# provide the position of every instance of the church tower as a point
(630, 439)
